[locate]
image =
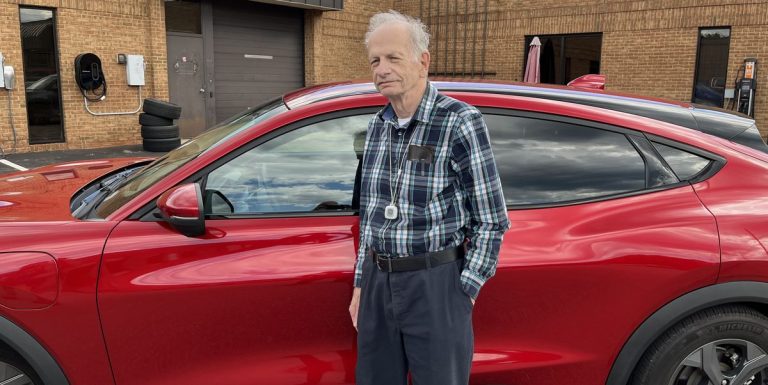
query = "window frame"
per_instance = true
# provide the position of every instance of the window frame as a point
(632, 136)
(560, 67)
(716, 164)
(57, 59)
(150, 211)
(698, 58)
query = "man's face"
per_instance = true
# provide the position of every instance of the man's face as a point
(395, 72)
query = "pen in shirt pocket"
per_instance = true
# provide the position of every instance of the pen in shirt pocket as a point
(424, 155)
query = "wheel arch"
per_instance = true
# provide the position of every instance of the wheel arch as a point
(26, 346)
(741, 292)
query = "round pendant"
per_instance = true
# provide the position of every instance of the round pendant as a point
(390, 212)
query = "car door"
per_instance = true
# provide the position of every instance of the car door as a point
(262, 297)
(602, 234)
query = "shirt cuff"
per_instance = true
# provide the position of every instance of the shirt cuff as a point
(471, 282)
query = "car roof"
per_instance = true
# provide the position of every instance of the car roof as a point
(714, 121)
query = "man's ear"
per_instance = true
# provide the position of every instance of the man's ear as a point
(424, 60)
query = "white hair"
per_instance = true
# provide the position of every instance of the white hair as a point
(416, 29)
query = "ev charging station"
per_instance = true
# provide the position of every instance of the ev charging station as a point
(90, 78)
(747, 85)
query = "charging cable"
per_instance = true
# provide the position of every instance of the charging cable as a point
(141, 103)
(13, 126)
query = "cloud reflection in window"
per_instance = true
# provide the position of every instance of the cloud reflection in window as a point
(308, 169)
(543, 161)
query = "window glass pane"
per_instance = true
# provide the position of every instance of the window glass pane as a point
(306, 170)
(177, 158)
(551, 60)
(683, 163)
(582, 56)
(183, 16)
(566, 57)
(41, 78)
(712, 66)
(542, 161)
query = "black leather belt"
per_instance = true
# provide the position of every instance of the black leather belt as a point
(417, 262)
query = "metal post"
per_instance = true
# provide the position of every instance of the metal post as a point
(474, 42)
(437, 40)
(485, 37)
(455, 35)
(464, 52)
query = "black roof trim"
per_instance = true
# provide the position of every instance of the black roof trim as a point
(714, 121)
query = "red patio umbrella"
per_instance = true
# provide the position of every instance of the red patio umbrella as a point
(532, 66)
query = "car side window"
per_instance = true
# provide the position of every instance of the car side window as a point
(548, 162)
(683, 163)
(309, 169)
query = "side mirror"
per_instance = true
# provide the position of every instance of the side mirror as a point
(182, 207)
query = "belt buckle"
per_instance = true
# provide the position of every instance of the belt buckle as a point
(379, 258)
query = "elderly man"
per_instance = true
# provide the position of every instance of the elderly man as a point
(432, 217)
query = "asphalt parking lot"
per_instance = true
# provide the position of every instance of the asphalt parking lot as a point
(17, 162)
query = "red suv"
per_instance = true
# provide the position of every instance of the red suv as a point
(637, 253)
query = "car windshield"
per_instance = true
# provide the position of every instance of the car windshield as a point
(173, 160)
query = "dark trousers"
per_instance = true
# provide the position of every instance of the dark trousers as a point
(418, 321)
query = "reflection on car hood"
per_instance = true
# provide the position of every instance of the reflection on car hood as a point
(43, 194)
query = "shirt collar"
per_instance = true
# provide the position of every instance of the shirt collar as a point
(423, 112)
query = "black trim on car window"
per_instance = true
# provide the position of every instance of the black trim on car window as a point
(636, 138)
(145, 213)
(657, 172)
(558, 118)
(718, 162)
(633, 136)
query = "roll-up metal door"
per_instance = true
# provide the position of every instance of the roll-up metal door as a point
(258, 53)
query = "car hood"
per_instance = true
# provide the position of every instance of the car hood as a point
(44, 194)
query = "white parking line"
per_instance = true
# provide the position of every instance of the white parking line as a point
(11, 164)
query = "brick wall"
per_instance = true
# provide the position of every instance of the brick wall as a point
(648, 47)
(334, 49)
(105, 28)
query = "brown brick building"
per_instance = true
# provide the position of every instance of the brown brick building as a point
(217, 57)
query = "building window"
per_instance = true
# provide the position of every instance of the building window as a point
(566, 57)
(711, 66)
(41, 75)
(183, 16)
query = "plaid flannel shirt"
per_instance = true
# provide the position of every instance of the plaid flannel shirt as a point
(442, 201)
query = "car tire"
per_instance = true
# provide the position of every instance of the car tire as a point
(709, 346)
(163, 109)
(12, 366)
(146, 119)
(160, 132)
(161, 145)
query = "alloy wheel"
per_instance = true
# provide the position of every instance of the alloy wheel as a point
(11, 375)
(723, 362)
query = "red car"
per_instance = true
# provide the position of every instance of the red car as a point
(637, 253)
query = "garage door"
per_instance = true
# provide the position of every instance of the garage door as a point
(258, 53)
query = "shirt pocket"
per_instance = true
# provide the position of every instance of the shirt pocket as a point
(420, 175)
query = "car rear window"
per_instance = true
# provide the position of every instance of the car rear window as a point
(683, 163)
(543, 162)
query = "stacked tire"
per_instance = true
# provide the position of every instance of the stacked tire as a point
(158, 131)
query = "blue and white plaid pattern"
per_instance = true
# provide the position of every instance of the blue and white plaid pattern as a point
(457, 195)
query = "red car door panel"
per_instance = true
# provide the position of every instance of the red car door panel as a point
(253, 301)
(561, 268)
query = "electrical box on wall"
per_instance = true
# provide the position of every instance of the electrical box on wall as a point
(135, 70)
